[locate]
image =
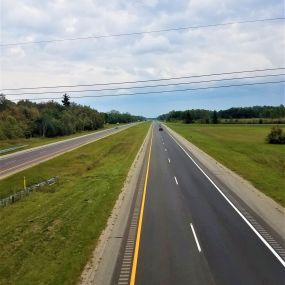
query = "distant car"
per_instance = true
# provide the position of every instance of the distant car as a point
(160, 128)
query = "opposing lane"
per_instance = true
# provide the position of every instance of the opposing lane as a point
(231, 253)
(20, 160)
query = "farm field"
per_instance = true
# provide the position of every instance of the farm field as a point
(243, 149)
(48, 236)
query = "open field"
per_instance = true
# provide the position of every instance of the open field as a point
(38, 141)
(47, 238)
(243, 149)
(254, 121)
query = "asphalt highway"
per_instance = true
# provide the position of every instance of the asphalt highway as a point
(15, 162)
(190, 233)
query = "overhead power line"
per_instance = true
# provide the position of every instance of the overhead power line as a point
(143, 81)
(157, 92)
(142, 32)
(145, 86)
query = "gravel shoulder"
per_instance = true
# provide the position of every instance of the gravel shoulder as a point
(101, 266)
(266, 209)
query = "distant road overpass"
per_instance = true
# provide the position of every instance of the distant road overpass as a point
(18, 161)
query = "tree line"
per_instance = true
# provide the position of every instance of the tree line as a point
(28, 119)
(207, 116)
(114, 117)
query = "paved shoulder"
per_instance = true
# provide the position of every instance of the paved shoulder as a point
(24, 159)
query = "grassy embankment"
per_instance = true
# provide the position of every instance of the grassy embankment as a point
(254, 121)
(47, 237)
(243, 149)
(38, 141)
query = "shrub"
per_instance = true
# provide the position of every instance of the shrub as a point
(276, 136)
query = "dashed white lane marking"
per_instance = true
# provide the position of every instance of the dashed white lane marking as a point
(176, 180)
(195, 237)
(265, 242)
(168, 160)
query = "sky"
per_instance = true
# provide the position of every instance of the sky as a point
(142, 57)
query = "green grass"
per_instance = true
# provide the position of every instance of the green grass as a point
(47, 237)
(243, 149)
(38, 141)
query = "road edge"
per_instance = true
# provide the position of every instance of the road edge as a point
(56, 142)
(263, 206)
(36, 162)
(102, 264)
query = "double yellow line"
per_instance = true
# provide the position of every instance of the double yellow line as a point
(138, 238)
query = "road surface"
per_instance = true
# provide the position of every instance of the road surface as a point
(189, 233)
(20, 160)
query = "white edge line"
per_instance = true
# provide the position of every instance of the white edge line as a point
(35, 161)
(234, 207)
(176, 180)
(2, 157)
(195, 237)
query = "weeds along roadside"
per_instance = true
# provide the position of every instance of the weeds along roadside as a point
(47, 237)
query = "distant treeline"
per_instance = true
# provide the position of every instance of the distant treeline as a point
(114, 117)
(50, 119)
(256, 114)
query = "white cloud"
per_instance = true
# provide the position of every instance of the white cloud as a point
(152, 44)
(180, 53)
(16, 52)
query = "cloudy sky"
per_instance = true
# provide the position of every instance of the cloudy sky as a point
(147, 56)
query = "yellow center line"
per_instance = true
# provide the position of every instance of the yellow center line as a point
(138, 238)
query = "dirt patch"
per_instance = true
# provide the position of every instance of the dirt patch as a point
(52, 228)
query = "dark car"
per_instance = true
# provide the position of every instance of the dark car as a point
(160, 128)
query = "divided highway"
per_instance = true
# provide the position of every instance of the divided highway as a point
(20, 160)
(189, 233)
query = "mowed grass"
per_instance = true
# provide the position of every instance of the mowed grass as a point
(47, 237)
(38, 141)
(243, 149)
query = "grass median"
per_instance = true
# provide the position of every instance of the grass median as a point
(47, 237)
(243, 149)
